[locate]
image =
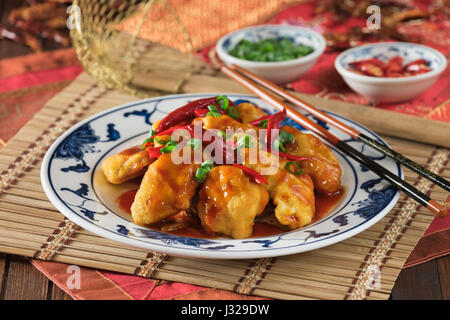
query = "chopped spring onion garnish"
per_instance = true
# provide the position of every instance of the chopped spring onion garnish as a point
(194, 143)
(244, 142)
(169, 147)
(223, 102)
(263, 123)
(297, 170)
(222, 134)
(202, 173)
(213, 111)
(283, 139)
(149, 139)
(286, 137)
(233, 112)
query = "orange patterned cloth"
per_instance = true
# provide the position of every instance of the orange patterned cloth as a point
(26, 83)
(204, 21)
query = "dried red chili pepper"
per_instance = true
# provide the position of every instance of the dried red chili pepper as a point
(371, 70)
(204, 112)
(189, 128)
(184, 113)
(394, 66)
(256, 176)
(417, 67)
(257, 121)
(373, 61)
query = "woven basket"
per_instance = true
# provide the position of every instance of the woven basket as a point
(114, 56)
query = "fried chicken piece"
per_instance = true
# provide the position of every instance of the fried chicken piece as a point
(323, 167)
(294, 198)
(249, 112)
(126, 165)
(166, 189)
(223, 123)
(229, 201)
(293, 195)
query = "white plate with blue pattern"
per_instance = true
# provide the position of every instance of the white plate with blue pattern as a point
(73, 182)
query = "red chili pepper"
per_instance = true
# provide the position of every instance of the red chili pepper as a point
(184, 113)
(273, 122)
(373, 61)
(154, 152)
(395, 66)
(417, 68)
(258, 178)
(257, 121)
(187, 112)
(371, 70)
(418, 61)
(170, 130)
(204, 112)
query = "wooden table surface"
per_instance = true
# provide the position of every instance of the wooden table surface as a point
(20, 280)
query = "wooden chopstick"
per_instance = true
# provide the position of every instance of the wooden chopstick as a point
(394, 180)
(349, 130)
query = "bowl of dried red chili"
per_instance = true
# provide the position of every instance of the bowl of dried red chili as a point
(390, 71)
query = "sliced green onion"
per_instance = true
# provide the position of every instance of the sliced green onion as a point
(213, 111)
(169, 147)
(278, 145)
(202, 173)
(233, 113)
(263, 123)
(286, 137)
(208, 164)
(297, 168)
(194, 143)
(245, 142)
(149, 139)
(223, 102)
(222, 134)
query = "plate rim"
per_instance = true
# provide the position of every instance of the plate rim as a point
(176, 251)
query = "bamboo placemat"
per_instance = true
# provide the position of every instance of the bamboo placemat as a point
(31, 226)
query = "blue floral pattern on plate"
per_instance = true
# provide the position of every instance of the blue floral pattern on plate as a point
(69, 168)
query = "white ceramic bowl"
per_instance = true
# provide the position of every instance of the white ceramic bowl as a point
(278, 72)
(382, 89)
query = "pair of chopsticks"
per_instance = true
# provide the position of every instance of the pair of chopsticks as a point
(253, 83)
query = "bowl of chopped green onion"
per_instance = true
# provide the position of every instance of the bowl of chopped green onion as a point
(278, 53)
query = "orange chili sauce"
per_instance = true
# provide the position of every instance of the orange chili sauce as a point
(324, 204)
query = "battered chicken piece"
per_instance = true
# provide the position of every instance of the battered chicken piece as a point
(323, 167)
(229, 201)
(126, 165)
(294, 198)
(224, 122)
(166, 189)
(249, 112)
(293, 195)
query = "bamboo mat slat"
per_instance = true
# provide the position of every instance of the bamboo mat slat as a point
(31, 226)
